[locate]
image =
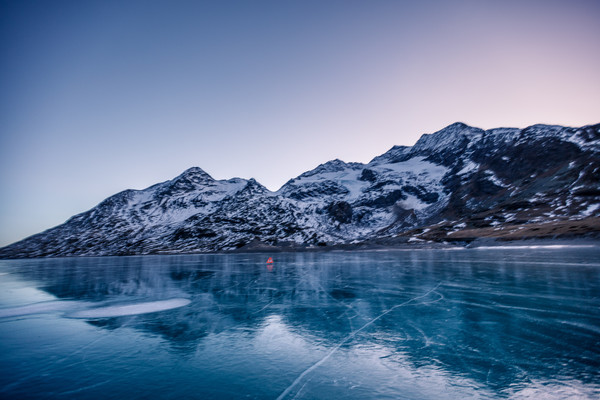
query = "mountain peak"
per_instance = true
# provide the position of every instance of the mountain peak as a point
(189, 179)
(445, 138)
(195, 173)
(329, 166)
(477, 183)
(458, 128)
(395, 154)
(456, 125)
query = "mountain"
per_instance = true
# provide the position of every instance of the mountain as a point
(456, 185)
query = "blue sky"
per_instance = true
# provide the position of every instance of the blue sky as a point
(101, 96)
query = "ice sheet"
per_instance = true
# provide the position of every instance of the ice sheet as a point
(131, 309)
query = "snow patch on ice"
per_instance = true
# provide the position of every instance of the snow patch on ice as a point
(131, 309)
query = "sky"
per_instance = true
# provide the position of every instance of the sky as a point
(102, 96)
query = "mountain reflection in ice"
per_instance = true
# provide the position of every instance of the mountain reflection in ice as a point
(422, 324)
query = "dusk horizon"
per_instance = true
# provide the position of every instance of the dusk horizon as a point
(103, 96)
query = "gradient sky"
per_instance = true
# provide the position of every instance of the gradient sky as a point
(100, 96)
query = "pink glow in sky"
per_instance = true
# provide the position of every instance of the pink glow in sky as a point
(101, 96)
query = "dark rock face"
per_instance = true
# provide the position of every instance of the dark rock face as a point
(406, 218)
(482, 186)
(340, 211)
(458, 179)
(385, 200)
(422, 193)
(368, 175)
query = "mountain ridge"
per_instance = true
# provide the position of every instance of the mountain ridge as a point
(458, 175)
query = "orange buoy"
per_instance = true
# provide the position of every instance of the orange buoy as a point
(269, 260)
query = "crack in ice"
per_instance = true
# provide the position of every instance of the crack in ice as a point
(346, 339)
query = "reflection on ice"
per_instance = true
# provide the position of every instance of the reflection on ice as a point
(350, 336)
(424, 324)
(554, 390)
(365, 371)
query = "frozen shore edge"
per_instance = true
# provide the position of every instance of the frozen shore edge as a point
(385, 244)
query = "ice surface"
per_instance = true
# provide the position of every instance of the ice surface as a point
(39, 308)
(566, 390)
(429, 324)
(131, 309)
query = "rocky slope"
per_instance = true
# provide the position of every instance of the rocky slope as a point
(453, 185)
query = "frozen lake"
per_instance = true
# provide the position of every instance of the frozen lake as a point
(426, 324)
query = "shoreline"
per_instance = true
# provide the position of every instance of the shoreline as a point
(375, 245)
(481, 243)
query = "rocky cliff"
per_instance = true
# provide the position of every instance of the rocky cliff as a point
(454, 185)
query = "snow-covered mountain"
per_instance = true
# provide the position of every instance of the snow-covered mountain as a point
(453, 185)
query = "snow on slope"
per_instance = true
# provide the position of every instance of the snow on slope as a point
(370, 192)
(461, 174)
